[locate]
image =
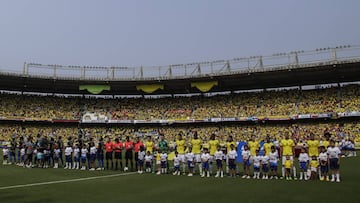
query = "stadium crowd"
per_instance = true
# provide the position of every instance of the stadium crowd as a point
(70, 147)
(246, 104)
(151, 149)
(38, 107)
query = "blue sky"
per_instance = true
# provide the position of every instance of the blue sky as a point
(161, 32)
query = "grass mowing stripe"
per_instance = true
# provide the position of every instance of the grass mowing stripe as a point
(65, 181)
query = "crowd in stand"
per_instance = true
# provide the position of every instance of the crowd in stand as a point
(38, 107)
(246, 104)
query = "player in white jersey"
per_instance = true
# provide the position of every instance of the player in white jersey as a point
(46, 158)
(57, 153)
(22, 156)
(177, 161)
(350, 147)
(334, 159)
(303, 163)
(273, 159)
(342, 146)
(265, 159)
(93, 151)
(76, 157)
(205, 158)
(68, 158)
(346, 147)
(163, 161)
(190, 159)
(84, 152)
(5, 155)
(219, 157)
(35, 157)
(148, 162)
(257, 164)
(323, 162)
(141, 158)
(353, 151)
(246, 161)
(232, 161)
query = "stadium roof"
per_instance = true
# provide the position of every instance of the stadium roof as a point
(347, 72)
(231, 75)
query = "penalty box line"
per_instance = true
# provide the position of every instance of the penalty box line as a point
(65, 181)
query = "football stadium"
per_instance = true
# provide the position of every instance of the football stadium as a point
(281, 127)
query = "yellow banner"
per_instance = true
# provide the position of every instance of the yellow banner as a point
(204, 86)
(150, 88)
(94, 89)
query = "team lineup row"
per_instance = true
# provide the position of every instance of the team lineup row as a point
(158, 157)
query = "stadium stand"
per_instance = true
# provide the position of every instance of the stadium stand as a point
(260, 104)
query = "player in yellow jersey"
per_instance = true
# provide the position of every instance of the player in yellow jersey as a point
(229, 142)
(253, 146)
(196, 150)
(267, 146)
(180, 148)
(158, 161)
(313, 146)
(149, 147)
(288, 164)
(213, 143)
(325, 140)
(287, 149)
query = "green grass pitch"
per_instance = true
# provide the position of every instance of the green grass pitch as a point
(168, 188)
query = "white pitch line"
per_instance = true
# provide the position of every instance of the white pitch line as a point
(65, 181)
